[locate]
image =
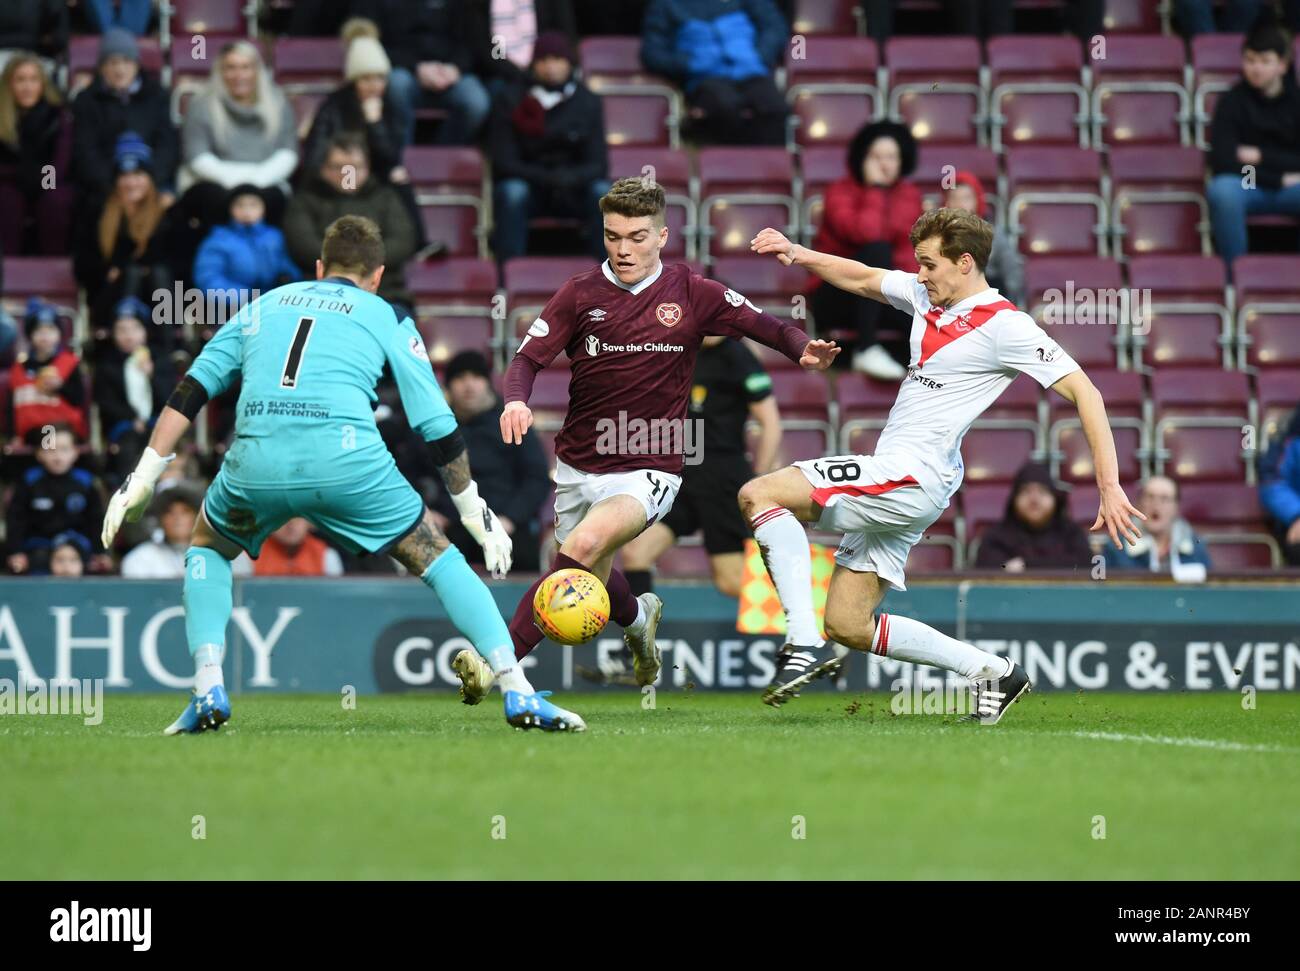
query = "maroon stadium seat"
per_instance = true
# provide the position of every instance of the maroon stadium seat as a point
(1270, 335)
(616, 59)
(797, 443)
(1037, 92)
(1190, 325)
(933, 554)
(935, 88)
(934, 162)
(308, 64)
(1056, 206)
(1221, 505)
(863, 405)
(1174, 279)
(742, 191)
(1158, 202)
(448, 184)
(1138, 95)
(446, 334)
(1072, 457)
(453, 281)
(645, 116)
(1132, 17)
(1266, 277)
(47, 277)
(829, 113)
(1020, 400)
(995, 449)
(1201, 418)
(802, 395)
(1216, 66)
(209, 16)
(1084, 501)
(826, 17)
(1231, 551)
(549, 400)
(1123, 391)
(982, 505)
(850, 60)
(771, 286)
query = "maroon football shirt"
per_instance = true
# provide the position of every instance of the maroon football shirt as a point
(632, 354)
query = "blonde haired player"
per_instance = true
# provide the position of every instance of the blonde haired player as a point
(968, 343)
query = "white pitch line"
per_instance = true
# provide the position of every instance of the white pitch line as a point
(1219, 744)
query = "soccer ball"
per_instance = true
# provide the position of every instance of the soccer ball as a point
(571, 606)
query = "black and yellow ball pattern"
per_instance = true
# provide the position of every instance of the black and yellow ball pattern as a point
(571, 607)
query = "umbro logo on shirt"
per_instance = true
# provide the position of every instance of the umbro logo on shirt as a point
(596, 315)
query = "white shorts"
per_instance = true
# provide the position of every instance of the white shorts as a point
(879, 508)
(576, 492)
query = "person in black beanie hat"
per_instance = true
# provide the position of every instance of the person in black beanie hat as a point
(546, 138)
(513, 479)
(1036, 532)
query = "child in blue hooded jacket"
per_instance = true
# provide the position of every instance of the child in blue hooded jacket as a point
(245, 254)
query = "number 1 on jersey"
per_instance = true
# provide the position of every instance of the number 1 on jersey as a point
(293, 361)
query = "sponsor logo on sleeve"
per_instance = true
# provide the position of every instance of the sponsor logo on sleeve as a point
(417, 348)
(1049, 353)
(540, 328)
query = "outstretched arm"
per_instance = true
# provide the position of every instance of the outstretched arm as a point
(1116, 512)
(844, 274)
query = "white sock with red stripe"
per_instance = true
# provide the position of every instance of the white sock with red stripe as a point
(906, 639)
(789, 562)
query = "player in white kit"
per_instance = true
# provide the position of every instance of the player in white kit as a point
(968, 343)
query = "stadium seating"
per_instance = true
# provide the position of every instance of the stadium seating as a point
(773, 288)
(454, 305)
(1093, 332)
(826, 17)
(48, 277)
(1133, 17)
(1233, 552)
(935, 88)
(640, 108)
(995, 448)
(1221, 505)
(1057, 200)
(1268, 310)
(1037, 92)
(1138, 95)
(1158, 201)
(449, 189)
(934, 163)
(863, 404)
(1070, 455)
(210, 16)
(1278, 394)
(1189, 323)
(832, 88)
(1216, 66)
(743, 190)
(1201, 422)
(530, 281)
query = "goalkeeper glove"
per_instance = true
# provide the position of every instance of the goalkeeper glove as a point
(482, 523)
(130, 501)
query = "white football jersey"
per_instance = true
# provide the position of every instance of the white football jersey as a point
(962, 359)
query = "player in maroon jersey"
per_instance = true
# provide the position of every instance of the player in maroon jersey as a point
(632, 328)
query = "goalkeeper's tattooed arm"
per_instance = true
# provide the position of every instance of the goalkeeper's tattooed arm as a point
(456, 474)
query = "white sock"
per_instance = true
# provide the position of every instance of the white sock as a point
(509, 675)
(910, 640)
(207, 668)
(789, 562)
(637, 627)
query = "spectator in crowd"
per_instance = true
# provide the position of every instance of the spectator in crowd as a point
(35, 149)
(433, 64)
(39, 26)
(512, 479)
(1279, 488)
(1168, 544)
(162, 556)
(122, 98)
(1006, 269)
(68, 555)
(127, 251)
(1255, 141)
(868, 216)
(723, 52)
(366, 104)
(547, 144)
(503, 34)
(245, 254)
(47, 383)
(131, 387)
(54, 499)
(343, 186)
(132, 15)
(1036, 532)
(240, 129)
(292, 551)
(1194, 17)
(730, 387)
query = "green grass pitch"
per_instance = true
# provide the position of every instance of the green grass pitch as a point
(703, 786)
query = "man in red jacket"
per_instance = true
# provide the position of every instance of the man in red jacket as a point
(868, 216)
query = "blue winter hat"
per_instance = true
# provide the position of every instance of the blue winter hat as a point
(39, 312)
(132, 307)
(132, 153)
